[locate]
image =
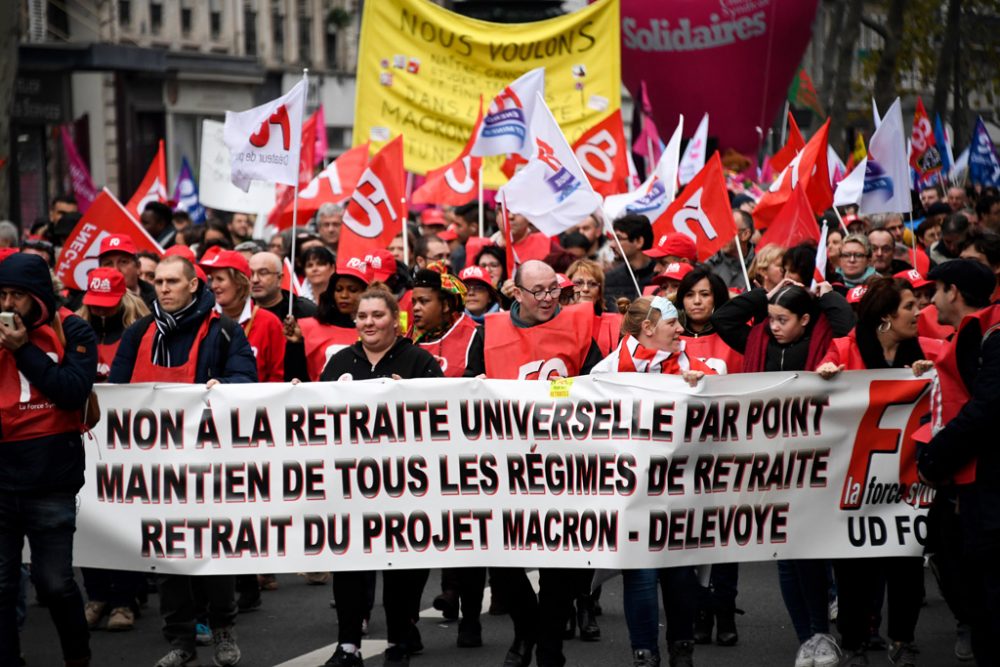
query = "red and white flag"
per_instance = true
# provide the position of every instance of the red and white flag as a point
(289, 281)
(653, 196)
(505, 127)
(794, 223)
(694, 156)
(809, 170)
(265, 142)
(793, 144)
(153, 186)
(284, 195)
(457, 182)
(105, 216)
(701, 211)
(819, 273)
(375, 212)
(332, 185)
(603, 154)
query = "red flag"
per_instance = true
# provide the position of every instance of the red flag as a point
(104, 217)
(794, 224)
(603, 154)
(153, 186)
(334, 184)
(925, 157)
(284, 195)
(375, 213)
(808, 170)
(457, 182)
(511, 165)
(783, 157)
(701, 211)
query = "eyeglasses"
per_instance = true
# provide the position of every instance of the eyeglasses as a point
(853, 255)
(476, 288)
(541, 293)
(589, 284)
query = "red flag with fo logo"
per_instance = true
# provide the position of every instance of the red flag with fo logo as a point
(375, 212)
(332, 185)
(603, 154)
(153, 186)
(457, 182)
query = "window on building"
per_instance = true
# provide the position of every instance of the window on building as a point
(331, 47)
(278, 29)
(155, 17)
(215, 18)
(250, 28)
(186, 20)
(125, 12)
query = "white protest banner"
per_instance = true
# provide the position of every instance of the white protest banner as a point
(214, 187)
(614, 471)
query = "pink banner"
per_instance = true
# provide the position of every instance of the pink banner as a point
(731, 58)
(83, 185)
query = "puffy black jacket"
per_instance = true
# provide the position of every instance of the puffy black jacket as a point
(404, 359)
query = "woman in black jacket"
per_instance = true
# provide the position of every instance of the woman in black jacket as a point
(380, 352)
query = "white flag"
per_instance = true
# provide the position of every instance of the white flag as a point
(819, 273)
(551, 191)
(506, 125)
(694, 154)
(264, 142)
(887, 172)
(961, 164)
(849, 190)
(653, 197)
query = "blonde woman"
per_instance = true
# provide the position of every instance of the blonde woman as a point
(588, 287)
(766, 269)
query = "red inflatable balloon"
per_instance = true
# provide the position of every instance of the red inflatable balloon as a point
(732, 58)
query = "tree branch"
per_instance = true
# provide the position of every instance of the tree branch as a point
(875, 27)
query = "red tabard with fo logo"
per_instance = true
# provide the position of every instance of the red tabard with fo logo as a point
(557, 347)
(146, 371)
(452, 349)
(714, 353)
(322, 341)
(948, 392)
(25, 413)
(105, 355)
(607, 331)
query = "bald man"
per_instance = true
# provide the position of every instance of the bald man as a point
(266, 270)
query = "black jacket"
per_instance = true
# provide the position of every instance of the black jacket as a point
(56, 462)
(224, 355)
(404, 359)
(618, 283)
(730, 321)
(295, 353)
(972, 434)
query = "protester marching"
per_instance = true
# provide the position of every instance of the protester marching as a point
(480, 355)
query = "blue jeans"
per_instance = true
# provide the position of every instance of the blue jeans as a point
(804, 588)
(48, 521)
(642, 608)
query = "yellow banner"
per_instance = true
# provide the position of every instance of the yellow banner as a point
(421, 70)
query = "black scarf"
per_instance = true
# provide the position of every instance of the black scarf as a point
(907, 352)
(166, 323)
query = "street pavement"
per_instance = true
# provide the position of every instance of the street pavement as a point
(295, 627)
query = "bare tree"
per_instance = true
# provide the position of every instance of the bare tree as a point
(946, 58)
(845, 61)
(888, 65)
(9, 38)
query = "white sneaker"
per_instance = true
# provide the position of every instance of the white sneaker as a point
(806, 657)
(827, 653)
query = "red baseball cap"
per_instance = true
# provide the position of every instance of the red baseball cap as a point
(674, 271)
(433, 216)
(188, 254)
(855, 293)
(476, 273)
(355, 268)
(105, 288)
(914, 278)
(564, 282)
(675, 244)
(382, 264)
(117, 243)
(227, 259)
(449, 234)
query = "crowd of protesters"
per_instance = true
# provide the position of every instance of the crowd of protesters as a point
(220, 306)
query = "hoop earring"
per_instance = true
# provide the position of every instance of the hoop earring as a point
(884, 326)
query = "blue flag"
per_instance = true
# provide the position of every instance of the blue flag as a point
(944, 146)
(984, 165)
(186, 194)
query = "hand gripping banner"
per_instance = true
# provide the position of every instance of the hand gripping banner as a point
(617, 471)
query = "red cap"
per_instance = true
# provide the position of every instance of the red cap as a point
(914, 278)
(188, 254)
(117, 243)
(6, 252)
(105, 288)
(433, 216)
(227, 259)
(449, 234)
(675, 244)
(356, 268)
(564, 282)
(855, 293)
(382, 264)
(476, 274)
(674, 271)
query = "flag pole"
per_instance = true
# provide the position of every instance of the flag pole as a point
(480, 195)
(842, 224)
(628, 266)
(743, 261)
(406, 234)
(295, 210)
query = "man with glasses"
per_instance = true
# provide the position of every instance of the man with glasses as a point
(266, 272)
(539, 340)
(429, 248)
(883, 246)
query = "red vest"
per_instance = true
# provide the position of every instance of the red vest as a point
(452, 349)
(607, 331)
(266, 336)
(948, 392)
(105, 355)
(322, 341)
(928, 327)
(25, 413)
(714, 353)
(557, 347)
(146, 371)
